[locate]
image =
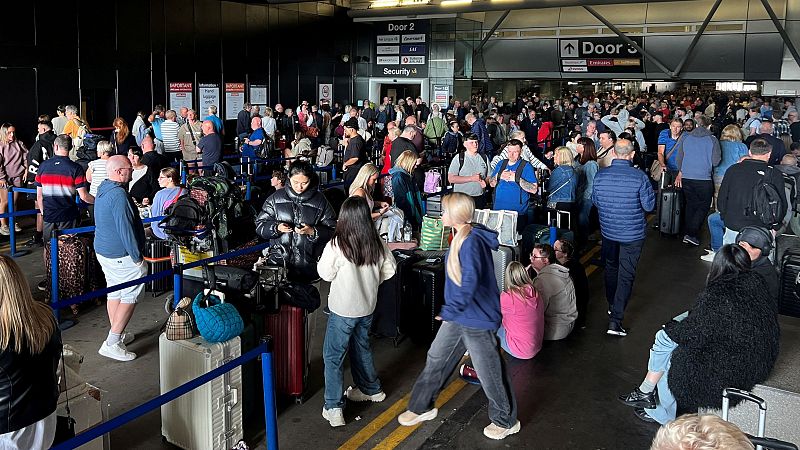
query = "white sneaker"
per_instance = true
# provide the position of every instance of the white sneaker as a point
(117, 351)
(17, 228)
(5, 231)
(409, 418)
(709, 257)
(127, 338)
(495, 432)
(355, 394)
(334, 416)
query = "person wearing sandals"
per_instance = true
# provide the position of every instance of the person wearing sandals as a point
(355, 261)
(470, 318)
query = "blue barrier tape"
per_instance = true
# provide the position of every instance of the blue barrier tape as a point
(134, 413)
(229, 255)
(24, 190)
(90, 228)
(27, 212)
(100, 292)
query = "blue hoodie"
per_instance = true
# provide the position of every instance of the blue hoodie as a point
(118, 232)
(476, 303)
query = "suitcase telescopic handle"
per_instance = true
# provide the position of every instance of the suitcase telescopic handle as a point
(772, 444)
(729, 393)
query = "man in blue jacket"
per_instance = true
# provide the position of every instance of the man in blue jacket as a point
(622, 195)
(119, 244)
(478, 128)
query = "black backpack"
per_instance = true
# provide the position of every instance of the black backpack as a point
(766, 202)
(183, 218)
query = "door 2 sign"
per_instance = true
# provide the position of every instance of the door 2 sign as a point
(600, 54)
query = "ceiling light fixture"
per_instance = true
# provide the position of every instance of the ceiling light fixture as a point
(384, 3)
(414, 2)
(455, 2)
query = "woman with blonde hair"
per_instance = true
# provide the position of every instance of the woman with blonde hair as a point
(522, 331)
(30, 347)
(700, 432)
(563, 183)
(470, 318)
(364, 186)
(406, 193)
(733, 150)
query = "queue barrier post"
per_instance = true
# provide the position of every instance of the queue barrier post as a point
(54, 271)
(12, 235)
(270, 405)
(183, 171)
(177, 282)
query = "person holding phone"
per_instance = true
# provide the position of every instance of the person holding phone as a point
(300, 219)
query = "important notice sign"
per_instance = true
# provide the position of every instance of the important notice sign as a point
(401, 49)
(600, 55)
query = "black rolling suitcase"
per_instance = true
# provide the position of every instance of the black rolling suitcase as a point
(393, 294)
(671, 209)
(789, 297)
(427, 300)
(156, 253)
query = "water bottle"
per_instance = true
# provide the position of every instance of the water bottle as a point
(407, 232)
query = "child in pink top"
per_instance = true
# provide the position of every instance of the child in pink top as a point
(523, 314)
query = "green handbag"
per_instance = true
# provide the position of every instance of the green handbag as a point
(435, 236)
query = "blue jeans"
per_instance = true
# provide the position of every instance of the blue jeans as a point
(660, 359)
(348, 334)
(446, 351)
(501, 336)
(620, 260)
(717, 229)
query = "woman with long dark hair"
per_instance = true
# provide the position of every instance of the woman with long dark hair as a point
(728, 339)
(470, 318)
(355, 262)
(587, 152)
(300, 219)
(30, 347)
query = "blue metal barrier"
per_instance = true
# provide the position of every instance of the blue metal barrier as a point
(11, 215)
(270, 411)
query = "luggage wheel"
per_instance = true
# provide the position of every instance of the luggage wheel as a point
(299, 399)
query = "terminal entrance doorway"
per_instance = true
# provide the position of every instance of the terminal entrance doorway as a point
(400, 91)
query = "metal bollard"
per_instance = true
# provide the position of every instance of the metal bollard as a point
(12, 236)
(270, 411)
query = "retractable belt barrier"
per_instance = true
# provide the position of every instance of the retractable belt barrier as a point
(270, 411)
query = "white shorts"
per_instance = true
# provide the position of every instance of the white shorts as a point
(120, 270)
(36, 436)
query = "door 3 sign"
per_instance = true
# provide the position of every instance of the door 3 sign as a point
(597, 55)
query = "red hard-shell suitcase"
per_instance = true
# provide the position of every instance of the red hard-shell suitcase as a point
(289, 331)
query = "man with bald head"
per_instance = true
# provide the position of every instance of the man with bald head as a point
(255, 139)
(119, 244)
(209, 149)
(150, 157)
(623, 195)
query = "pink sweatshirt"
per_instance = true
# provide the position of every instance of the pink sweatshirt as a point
(13, 157)
(523, 322)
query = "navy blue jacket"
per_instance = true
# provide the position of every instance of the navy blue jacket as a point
(484, 139)
(476, 303)
(622, 195)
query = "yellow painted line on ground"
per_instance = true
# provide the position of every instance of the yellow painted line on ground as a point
(590, 254)
(401, 433)
(377, 424)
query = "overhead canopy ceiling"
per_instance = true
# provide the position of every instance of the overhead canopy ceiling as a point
(362, 9)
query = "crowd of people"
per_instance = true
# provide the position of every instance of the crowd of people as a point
(589, 155)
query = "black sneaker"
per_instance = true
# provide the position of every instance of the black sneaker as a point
(616, 329)
(642, 415)
(34, 242)
(639, 399)
(691, 240)
(42, 286)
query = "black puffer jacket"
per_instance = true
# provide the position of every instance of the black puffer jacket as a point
(729, 339)
(28, 385)
(310, 208)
